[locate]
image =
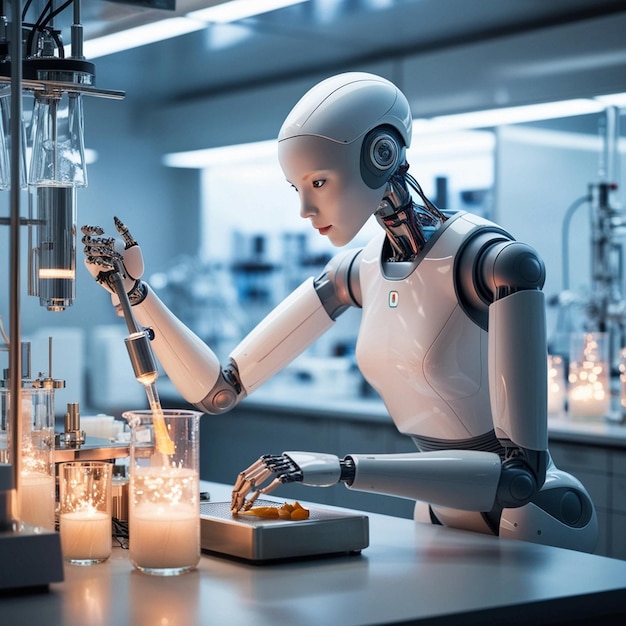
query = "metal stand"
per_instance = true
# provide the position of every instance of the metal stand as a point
(30, 557)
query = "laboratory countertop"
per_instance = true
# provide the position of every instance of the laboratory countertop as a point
(411, 573)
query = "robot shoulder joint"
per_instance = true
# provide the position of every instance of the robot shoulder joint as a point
(338, 286)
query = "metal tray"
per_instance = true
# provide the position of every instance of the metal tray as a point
(260, 540)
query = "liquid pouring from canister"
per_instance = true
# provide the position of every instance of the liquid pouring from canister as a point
(144, 366)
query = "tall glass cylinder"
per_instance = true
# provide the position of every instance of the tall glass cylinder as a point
(36, 494)
(164, 491)
(56, 245)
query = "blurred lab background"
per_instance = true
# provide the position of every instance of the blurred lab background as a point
(187, 161)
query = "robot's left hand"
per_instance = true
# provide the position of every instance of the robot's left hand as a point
(270, 471)
(106, 255)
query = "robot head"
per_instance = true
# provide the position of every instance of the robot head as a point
(340, 145)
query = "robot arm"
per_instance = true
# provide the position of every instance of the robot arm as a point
(191, 365)
(513, 273)
(456, 478)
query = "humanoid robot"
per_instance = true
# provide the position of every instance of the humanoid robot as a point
(452, 335)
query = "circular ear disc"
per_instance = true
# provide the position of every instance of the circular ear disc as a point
(380, 157)
(383, 151)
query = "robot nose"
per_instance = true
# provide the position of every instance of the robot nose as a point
(307, 209)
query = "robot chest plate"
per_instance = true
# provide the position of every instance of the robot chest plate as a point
(418, 349)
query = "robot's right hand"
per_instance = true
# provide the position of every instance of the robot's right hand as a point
(270, 471)
(104, 256)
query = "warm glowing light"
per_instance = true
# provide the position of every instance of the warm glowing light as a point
(588, 394)
(56, 273)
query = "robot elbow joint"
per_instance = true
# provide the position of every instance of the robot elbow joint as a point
(517, 485)
(225, 394)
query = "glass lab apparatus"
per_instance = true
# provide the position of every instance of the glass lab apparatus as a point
(36, 494)
(164, 493)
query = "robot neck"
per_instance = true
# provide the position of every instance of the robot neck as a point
(408, 225)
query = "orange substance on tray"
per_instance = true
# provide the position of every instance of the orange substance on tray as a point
(293, 511)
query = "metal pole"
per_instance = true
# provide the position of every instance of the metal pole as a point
(15, 353)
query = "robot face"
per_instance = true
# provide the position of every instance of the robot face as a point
(327, 177)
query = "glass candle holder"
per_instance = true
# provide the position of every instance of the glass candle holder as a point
(36, 494)
(622, 380)
(589, 394)
(556, 385)
(164, 491)
(85, 511)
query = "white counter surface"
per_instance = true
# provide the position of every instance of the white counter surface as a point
(410, 573)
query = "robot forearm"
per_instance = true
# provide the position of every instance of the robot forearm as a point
(190, 364)
(461, 479)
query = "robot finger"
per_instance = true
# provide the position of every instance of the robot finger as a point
(124, 232)
(247, 481)
(88, 229)
(247, 504)
(104, 242)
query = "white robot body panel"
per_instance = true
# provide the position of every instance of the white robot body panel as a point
(517, 344)
(457, 518)
(426, 358)
(467, 479)
(562, 497)
(279, 338)
(323, 115)
(191, 365)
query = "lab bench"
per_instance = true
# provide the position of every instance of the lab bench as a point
(279, 418)
(411, 573)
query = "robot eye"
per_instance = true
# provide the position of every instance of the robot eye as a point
(318, 183)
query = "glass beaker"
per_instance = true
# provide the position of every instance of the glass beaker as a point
(85, 511)
(589, 394)
(164, 491)
(36, 494)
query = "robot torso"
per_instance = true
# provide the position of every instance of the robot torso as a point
(417, 347)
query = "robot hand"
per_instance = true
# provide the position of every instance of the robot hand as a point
(106, 255)
(309, 468)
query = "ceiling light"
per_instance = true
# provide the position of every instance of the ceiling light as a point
(224, 155)
(239, 10)
(615, 99)
(509, 115)
(139, 36)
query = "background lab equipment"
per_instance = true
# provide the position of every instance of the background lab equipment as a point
(430, 285)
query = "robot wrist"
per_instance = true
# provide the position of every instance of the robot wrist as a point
(348, 470)
(138, 293)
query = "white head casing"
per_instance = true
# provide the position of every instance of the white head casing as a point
(356, 125)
